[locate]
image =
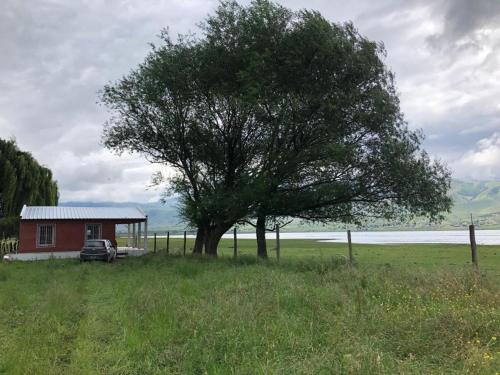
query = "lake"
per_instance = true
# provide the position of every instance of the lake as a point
(483, 237)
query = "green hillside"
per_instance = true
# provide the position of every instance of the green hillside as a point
(479, 198)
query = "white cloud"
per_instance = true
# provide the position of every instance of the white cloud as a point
(481, 162)
(102, 176)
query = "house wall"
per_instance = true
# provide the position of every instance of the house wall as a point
(69, 234)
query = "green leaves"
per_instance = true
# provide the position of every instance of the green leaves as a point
(22, 181)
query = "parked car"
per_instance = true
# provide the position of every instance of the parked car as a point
(98, 249)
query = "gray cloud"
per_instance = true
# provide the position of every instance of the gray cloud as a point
(57, 54)
(463, 22)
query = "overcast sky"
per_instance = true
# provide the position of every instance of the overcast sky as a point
(56, 55)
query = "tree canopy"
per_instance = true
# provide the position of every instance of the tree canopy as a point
(22, 181)
(274, 113)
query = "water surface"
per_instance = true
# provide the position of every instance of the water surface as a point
(483, 237)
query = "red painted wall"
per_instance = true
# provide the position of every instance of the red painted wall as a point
(70, 234)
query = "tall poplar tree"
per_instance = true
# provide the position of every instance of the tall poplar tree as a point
(22, 181)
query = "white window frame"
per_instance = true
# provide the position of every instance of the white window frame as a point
(100, 231)
(38, 232)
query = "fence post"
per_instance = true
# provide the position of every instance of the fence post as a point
(154, 247)
(235, 247)
(168, 242)
(184, 252)
(278, 242)
(351, 259)
(473, 246)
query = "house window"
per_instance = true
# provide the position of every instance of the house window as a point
(46, 235)
(93, 231)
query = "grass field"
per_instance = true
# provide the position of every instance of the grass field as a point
(415, 309)
(443, 257)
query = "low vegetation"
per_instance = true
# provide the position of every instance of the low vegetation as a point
(8, 245)
(312, 313)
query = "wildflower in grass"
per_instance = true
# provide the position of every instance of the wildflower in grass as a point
(487, 357)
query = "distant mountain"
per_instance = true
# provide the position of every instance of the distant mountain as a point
(479, 198)
(160, 216)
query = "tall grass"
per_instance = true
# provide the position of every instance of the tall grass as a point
(164, 314)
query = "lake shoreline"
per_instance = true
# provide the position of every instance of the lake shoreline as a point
(483, 237)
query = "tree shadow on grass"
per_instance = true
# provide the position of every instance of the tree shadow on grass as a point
(190, 265)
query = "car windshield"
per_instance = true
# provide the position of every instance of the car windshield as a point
(94, 244)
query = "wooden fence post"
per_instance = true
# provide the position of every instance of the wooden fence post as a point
(154, 247)
(168, 242)
(278, 242)
(184, 252)
(235, 241)
(473, 246)
(351, 259)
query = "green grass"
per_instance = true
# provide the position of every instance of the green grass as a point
(425, 256)
(414, 309)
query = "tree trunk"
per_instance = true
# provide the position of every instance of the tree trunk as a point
(200, 240)
(214, 236)
(260, 230)
(206, 237)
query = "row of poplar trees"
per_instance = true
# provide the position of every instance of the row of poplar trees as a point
(22, 181)
(269, 114)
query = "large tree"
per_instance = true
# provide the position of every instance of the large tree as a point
(181, 108)
(340, 149)
(22, 181)
(274, 113)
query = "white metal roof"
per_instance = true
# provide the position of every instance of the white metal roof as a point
(81, 213)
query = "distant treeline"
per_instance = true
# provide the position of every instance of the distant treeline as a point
(22, 181)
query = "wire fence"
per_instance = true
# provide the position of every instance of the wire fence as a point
(181, 243)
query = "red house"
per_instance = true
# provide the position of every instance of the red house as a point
(64, 229)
